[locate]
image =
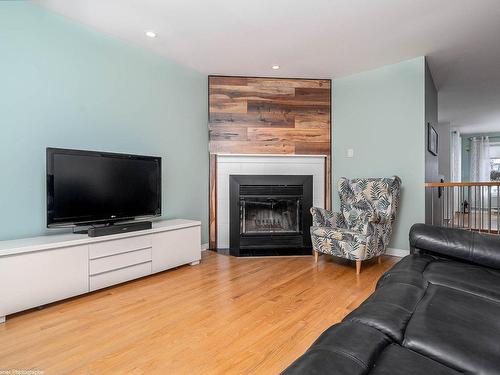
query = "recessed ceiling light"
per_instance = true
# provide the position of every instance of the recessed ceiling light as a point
(275, 67)
(150, 34)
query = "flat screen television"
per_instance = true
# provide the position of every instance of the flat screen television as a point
(89, 187)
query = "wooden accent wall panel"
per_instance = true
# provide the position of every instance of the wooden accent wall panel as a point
(212, 203)
(269, 115)
(249, 115)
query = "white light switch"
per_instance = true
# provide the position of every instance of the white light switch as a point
(350, 152)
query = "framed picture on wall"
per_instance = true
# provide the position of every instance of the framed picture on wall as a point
(432, 139)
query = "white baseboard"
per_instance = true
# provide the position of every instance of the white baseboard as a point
(204, 246)
(397, 252)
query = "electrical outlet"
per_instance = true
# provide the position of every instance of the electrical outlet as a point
(350, 152)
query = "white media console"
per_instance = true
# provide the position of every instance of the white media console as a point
(40, 270)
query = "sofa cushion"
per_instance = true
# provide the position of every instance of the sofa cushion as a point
(318, 361)
(408, 270)
(337, 351)
(389, 309)
(471, 278)
(458, 329)
(396, 360)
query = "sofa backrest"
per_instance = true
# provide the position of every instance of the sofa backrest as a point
(473, 247)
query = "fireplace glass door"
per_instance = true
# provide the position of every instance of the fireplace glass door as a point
(260, 215)
(269, 214)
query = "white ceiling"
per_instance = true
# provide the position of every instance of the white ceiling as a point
(321, 39)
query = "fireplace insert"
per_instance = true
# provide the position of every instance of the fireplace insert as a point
(269, 215)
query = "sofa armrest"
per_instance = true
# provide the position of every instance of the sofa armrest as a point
(483, 249)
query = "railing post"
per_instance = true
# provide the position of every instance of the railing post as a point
(432, 206)
(489, 209)
(441, 202)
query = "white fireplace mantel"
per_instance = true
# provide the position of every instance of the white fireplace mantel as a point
(227, 165)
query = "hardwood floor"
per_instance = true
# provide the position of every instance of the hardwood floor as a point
(225, 316)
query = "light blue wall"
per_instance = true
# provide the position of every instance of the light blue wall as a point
(380, 114)
(63, 85)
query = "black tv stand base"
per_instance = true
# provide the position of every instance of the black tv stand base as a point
(108, 230)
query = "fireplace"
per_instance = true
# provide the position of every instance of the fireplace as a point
(269, 214)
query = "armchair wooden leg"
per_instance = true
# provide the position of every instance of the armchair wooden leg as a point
(358, 267)
(379, 259)
(316, 255)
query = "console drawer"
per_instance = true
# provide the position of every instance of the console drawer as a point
(113, 262)
(106, 248)
(106, 279)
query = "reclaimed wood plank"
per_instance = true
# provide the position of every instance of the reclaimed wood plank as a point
(227, 133)
(288, 135)
(312, 121)
(257, 147)
(313, 95)
(288, 108)
(228, 106)
(312, 148)
(290, 82)
(277, 120)
(227, 80)
(249, 92)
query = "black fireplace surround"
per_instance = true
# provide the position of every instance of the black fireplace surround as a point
(269, 215)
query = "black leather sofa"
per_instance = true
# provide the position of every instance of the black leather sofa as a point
(437, 311)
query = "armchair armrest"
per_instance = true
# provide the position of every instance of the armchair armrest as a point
(325, 218)
(473, 247)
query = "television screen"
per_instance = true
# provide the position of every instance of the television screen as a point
(85, 187)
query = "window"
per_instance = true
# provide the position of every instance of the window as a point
(495, 161)
(495, 166)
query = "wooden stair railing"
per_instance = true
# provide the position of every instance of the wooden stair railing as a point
(468, 205)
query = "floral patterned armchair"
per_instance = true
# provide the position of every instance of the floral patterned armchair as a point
(362, 230)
